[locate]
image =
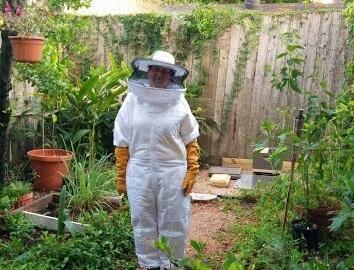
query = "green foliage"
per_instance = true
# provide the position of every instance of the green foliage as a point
(349, 17)
(88, 183)
(17, 226)
(346, 213)
(205, 24)
(6, 202)
(231, 262)
(31, 23)
(107, 244)
(251, 23)
(10, 193)
(16, 189)
(60, 5)
(145, 33)
(257, 241)
(326, 131)
(80, 114)
(290, 72)
(88, 111)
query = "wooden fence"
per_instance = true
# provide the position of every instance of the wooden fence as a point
(323, 34)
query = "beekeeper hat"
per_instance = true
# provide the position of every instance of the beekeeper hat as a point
(162, 59)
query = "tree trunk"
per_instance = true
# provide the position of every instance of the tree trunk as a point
(6, 64)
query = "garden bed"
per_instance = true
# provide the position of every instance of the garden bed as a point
(43, 213)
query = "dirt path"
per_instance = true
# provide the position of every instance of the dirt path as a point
(206, 221)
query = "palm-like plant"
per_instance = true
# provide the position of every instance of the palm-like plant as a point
(85, 119)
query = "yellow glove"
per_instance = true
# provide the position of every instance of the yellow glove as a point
(193, 153)
(122, 157)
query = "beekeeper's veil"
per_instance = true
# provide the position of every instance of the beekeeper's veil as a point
(149, 84)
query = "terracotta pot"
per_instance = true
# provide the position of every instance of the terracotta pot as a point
(25, 200)
(27, 49)
(50, 165)
(321, 216)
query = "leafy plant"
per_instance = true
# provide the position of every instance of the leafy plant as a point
(27, 20)
(18, 226)
(86, 116)
(88, 183)
(231, 263)
(324, 162)
(290, 72)
(107, 244)
(10, 193)
(6, 203)
(346, 214)
(16, 189)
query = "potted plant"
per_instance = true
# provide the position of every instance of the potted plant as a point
(316, 199)
(19, 193)
(25, 24)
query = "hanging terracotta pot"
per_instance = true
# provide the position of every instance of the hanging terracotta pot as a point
(50, 166)
(27, 49)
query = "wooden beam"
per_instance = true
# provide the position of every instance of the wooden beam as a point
(51, 223)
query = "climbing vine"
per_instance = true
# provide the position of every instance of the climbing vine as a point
(251, 26)
(145, 32)
(204, 25)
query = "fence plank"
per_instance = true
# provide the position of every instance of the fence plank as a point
(235, 40)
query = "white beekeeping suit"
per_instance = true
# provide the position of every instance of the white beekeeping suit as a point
(155, 125)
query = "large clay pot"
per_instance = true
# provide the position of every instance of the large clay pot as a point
(50, 165)
(321, 216)
(27, 49)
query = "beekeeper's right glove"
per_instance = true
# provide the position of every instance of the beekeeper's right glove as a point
(122, 157)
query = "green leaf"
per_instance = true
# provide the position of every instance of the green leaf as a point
(198, 246)
(61, 214)
(294, 85)
(88, 86)
(295, 73)
(232, 263)
(298, 60)
(79, 134)
(163, 246)
(282, 55)
(292, 48)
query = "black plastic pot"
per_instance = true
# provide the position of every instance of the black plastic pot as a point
(307, 234)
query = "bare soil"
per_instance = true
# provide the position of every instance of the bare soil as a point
(207, 220)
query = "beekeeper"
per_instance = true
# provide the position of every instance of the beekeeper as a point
(157, 154)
